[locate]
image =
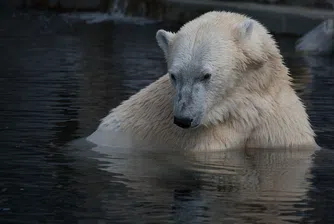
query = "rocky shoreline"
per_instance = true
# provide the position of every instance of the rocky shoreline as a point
(286, 18)
(294, 17)
(93, 5)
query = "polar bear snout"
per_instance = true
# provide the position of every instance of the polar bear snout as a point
(189, 105)
(183, 122)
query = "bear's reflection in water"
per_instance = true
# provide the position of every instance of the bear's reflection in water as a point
(233, 186)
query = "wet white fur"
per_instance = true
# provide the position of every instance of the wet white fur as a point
(249, 101)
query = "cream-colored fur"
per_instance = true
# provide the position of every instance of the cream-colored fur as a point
(253, 106)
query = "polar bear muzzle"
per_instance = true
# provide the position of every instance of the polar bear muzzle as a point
(189, 102)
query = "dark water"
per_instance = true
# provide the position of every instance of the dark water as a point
(59, 77)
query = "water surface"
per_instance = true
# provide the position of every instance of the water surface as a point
(59, 77)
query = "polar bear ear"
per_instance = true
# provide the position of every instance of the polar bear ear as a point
(244, 29)
(164, 38)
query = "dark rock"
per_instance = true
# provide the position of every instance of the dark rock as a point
(53, 3)
(36, 3)
(67, 4)
(13, 3)
(88, 4)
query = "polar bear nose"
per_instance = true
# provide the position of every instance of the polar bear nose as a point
(183, 122)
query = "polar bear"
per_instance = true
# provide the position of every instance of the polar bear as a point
(226, 87)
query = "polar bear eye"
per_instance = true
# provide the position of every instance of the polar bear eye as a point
(206, 77)
(172, 76)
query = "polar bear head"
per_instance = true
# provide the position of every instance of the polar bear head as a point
(211, 57)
